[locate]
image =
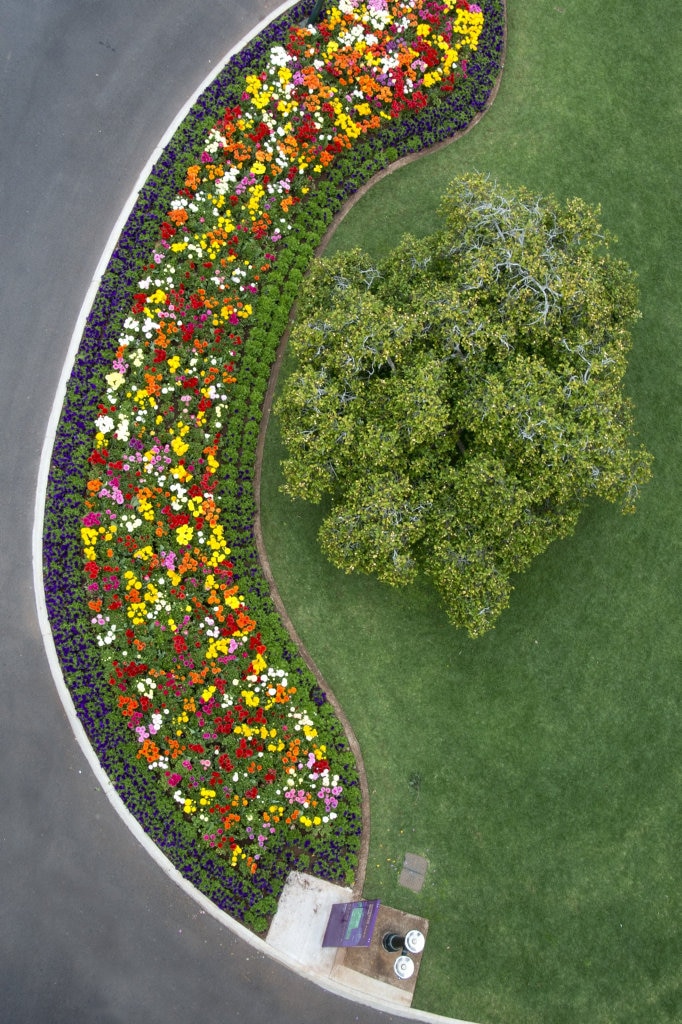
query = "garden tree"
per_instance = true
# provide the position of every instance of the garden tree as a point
(459, 401)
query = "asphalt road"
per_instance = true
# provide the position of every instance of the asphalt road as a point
(91, 930)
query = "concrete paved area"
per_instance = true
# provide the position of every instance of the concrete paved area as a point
(92, 932)
(372, 969)
(298, 930)
(301, 920)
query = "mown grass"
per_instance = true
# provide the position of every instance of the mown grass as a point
(537, 769)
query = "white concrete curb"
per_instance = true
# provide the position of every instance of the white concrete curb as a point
(132, 824)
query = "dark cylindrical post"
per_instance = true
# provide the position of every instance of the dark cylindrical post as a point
(392, 942)
(316, 12)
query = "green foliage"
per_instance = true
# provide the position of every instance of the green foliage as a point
(461, 400)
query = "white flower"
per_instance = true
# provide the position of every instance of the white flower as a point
(104, 424)
(122, 432)
(279, 56)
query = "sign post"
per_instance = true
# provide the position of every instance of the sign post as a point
(351, 924)
(316, 12)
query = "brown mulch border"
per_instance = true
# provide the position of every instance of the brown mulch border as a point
(265, 419)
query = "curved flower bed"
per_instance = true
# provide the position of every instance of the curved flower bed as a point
(207, 721)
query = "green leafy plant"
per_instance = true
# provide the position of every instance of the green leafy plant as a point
(462, 399)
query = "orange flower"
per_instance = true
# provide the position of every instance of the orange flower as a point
(193, 178)
(178, 216)
(149, 750)
(127, 705)
(153, 388)
(245, 623)
(175, 749)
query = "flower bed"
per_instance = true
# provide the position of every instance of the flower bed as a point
(199, 708)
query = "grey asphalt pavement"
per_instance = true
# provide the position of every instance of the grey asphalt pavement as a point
(91, 930)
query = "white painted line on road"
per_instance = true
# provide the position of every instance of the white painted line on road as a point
(37, 547)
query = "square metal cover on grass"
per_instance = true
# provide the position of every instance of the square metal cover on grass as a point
(351, 924)
(414, 872)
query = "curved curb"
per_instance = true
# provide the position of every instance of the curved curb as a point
(239, 930)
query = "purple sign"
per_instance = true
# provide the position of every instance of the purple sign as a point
(351, 924)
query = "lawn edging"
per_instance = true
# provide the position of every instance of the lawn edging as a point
(265, 419)
(61, 597)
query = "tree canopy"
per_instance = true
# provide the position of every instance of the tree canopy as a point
(460, 400)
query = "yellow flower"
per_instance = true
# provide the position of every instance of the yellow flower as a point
(179, 446)
(259, 664)
(184, 534)
(144, 553)
(114, 380)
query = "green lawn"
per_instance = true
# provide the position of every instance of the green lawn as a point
(538, 769)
